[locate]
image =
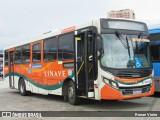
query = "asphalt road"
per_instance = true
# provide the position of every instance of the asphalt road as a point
(11, 100)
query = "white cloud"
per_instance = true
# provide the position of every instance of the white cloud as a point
(22, 19)
(3, 27)
(5, 41)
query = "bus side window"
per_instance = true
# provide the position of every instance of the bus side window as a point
(26, 53)
(6, 57)
(36, 53)
(50, 49)
(18, 55)
(66, 47)
(155, 52)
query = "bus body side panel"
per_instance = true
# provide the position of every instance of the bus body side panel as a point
(6, 75)
(6, 72)
(156, 66)
(50, 81)
(54, 73)
(41, 77)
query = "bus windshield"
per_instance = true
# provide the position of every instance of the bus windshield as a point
(125, 51)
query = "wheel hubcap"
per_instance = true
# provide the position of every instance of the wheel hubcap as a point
(22, 88)
(70, 92)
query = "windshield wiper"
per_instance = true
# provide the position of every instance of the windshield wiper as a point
(123, 41)
(141, 34)
(137, 48)
(128, 47)
(121, 38)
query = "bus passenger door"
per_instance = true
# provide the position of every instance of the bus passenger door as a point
(86, 63)
(11, 69)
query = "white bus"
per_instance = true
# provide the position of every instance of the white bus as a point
(103, 59)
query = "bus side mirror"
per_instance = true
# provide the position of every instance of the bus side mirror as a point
(99, 46)
(99, 53)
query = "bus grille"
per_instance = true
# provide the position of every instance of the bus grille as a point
(130, 90)
(133, 74)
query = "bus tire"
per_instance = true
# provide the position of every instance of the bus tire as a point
(65, 98)
(22, 88)
(72, 97)
(65, 91)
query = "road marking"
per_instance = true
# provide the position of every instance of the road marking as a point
(13, 108)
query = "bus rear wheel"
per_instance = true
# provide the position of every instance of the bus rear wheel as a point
(22, 88)
(72, 97)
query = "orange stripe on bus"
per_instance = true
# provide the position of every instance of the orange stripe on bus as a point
(70, 29)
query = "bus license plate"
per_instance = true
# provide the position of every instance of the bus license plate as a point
(135, 92)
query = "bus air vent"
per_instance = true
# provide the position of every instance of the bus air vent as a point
(133, 73)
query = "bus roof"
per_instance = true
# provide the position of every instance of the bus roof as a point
(52, 33)
(60, 31)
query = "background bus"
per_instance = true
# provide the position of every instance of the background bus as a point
(155, 52)
(1, 63)
(103, 59)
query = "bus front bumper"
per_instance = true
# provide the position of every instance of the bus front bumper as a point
(109, 93)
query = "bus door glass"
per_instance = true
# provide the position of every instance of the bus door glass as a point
(80, 69)
(11, 69)
(86, 62)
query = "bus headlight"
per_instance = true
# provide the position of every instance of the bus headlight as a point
(111, 83)
(114, 85)
(148, 81)
(106, 81)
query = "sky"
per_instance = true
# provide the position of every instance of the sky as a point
(23, 19)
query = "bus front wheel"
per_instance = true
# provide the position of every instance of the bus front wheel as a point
(72, 98)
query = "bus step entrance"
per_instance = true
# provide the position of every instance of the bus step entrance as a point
(91, 85)
(12, 87)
